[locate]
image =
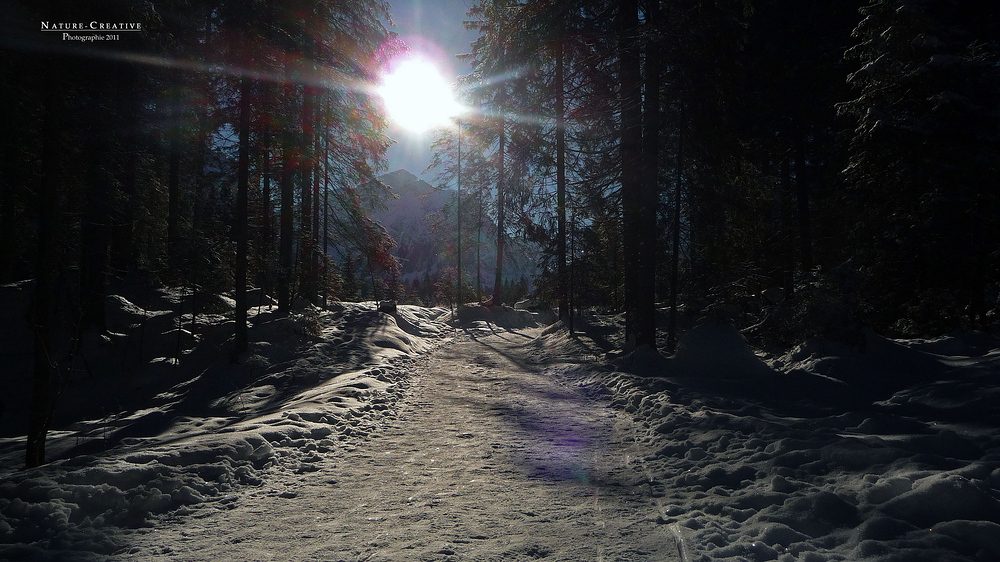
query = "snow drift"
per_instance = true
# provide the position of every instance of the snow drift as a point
(887, 452)
(201, 429)
(481, 317)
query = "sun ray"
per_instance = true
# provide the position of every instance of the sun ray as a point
(326, 78)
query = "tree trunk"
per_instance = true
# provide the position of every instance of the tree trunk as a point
(646, 252)
(676, 233)
(631, 168)
(242, 217)
(41, 310)
(11, 175)
(314, 261)
(95, 227)
(306, 171)
(266, 219)
(459, 215)
(479, 248)
(326, 207)
(285, 243)
(561, 183)
(572, 304)
(127, 121)
(501, 208)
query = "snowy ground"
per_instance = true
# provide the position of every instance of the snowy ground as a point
(889, 453)
(188, 431)
(356, 435)
(484, 458)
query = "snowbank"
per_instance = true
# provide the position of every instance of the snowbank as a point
(718, 351)
(709, 352)
(479, 317)
(814, 461)
(876, 365)
(310, 384)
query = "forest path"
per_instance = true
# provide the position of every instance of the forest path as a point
(487, 457)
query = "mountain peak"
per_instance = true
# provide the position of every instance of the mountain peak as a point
(401, 174)
(403, 180)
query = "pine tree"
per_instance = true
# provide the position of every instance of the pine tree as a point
(923, 158)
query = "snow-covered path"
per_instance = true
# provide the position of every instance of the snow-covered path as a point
(488, 456)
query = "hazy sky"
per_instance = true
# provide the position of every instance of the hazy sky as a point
(433, 28)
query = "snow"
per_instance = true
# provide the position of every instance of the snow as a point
(198, 441)
(710, 351)
(883, 450)
(886, 451)
(487, 319)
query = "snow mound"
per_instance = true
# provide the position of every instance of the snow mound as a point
(969, 344)
(421, 321)
(123, 316)
(191, 429)
(800, 465)
(645, 361)
(711, 351)
(474, 316)
(717, 351)
(66, 510)
(530, 303)
(876, 366)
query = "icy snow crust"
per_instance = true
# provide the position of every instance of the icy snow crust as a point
(830, 452)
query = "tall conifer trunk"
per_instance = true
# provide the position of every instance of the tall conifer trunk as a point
(326, 203)
(561, 182)
(649, 196)
(266, 247)
(307, 167)
(501, 208)
(479, 248)
(41, 309)
(675, 257)
(459, 215)
(314, 255)
(285, 245)
(631, 165)
(131, 147)
(95, 237)
(242, 216)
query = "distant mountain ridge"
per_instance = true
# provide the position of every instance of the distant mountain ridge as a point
(408, 219)
(424, 251)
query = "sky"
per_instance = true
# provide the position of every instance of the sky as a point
(433, 28)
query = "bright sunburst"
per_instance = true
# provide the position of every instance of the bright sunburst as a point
(416, 95)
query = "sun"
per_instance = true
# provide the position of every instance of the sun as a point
(416, 95)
